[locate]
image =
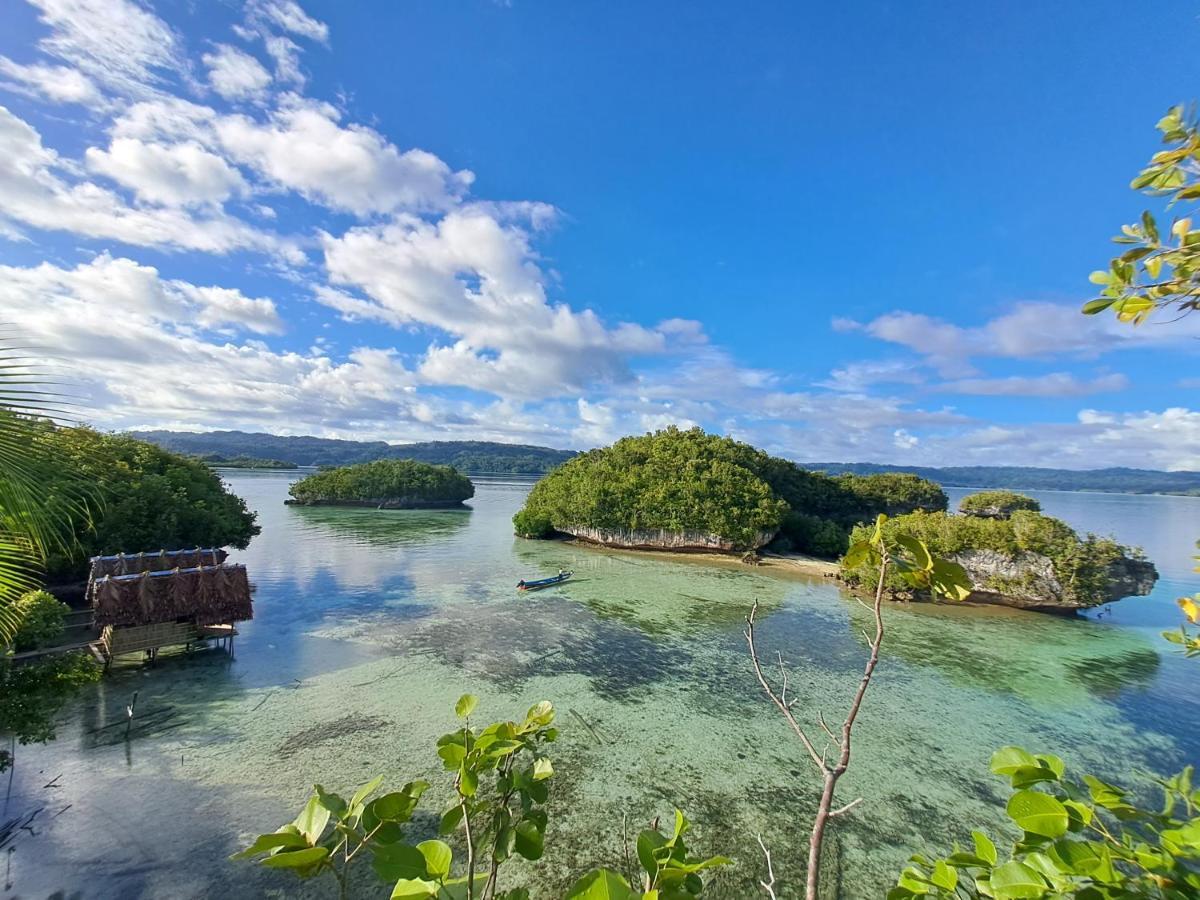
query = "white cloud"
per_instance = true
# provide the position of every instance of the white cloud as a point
(171, 174)
(235, 74)
(34, 191)
(859, 376)
(289, 16)
(58, 84)
(475, 278)
(1054, 384)
(1028, 331)
(115, 42)
(353, 168)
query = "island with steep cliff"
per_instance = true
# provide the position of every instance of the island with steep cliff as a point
(384, 484)
(1016, 556)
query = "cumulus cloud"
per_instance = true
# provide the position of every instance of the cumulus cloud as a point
(180, 174)
(58, 84)
(235, 74)
(36, 189)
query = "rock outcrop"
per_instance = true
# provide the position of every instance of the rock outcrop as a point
(682, 541)
(1029, 580)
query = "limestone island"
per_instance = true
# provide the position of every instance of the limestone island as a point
(384, 484)
(689, 491)
(1016, 556)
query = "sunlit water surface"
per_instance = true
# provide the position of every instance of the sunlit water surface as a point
(368, 624)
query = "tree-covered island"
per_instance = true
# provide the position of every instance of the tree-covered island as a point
(1015, 556)
(384, 484)
(688, 490)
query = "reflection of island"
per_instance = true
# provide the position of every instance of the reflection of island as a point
(381, 529)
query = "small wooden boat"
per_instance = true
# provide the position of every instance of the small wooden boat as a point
(524, 585)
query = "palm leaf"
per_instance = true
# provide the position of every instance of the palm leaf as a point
(31, 524)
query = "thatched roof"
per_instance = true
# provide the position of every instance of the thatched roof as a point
(132, 563)
(207, 595)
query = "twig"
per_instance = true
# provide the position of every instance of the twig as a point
(768, 886)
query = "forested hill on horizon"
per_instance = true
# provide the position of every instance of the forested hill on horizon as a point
(467, 456)
(1116, 480)
(480, 457)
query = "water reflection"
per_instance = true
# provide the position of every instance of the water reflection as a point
(376, 623)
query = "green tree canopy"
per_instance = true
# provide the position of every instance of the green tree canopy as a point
(678, 480)
(384, 480)
(146, 498)
(996, 504)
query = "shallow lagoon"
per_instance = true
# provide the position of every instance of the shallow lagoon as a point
(369, 624)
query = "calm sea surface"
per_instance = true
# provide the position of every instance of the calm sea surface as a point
(368, 624)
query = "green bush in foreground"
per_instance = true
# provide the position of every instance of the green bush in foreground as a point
(1079, 838)
(996, 504)
(529, 524)
(42, 620)
(501, 777)
(384, 480)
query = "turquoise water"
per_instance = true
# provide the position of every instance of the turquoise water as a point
(369, 624)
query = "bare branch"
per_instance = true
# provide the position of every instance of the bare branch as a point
(833, 737)
(768, 886)
(783, 707)
(842, 810)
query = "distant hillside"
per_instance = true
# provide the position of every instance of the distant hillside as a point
(1116, 480)
(466, 456)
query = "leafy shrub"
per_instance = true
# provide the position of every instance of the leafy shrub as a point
(501, 784)
(1079, 838)
(144, 498)
(996, 504)
(42, 620)
(382, 480)
(529, 524)
(891, 493)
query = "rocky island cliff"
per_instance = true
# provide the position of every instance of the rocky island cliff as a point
(1016, 556)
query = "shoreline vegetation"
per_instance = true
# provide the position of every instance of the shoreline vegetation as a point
(384, 484)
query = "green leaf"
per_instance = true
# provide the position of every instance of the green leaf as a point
(648, 842)
(1097, 306)
(857, 555)
(312, 820)
(468, 781)
(364, 792)
(1016, 881)
(438, 857)
(540, 714)
(984, 848)
(1007, 760)
(542, 769)
(398, 861)
(414, 889)
(944, 876)
(267, 842)
(1038, 813)
(601, 884)
(296, 859)
(465, 705)
(918, 551)
(451, 819)
(530, 842)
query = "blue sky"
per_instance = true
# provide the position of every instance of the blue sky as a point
(842, 232)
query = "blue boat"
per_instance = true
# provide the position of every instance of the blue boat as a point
(524, 585)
